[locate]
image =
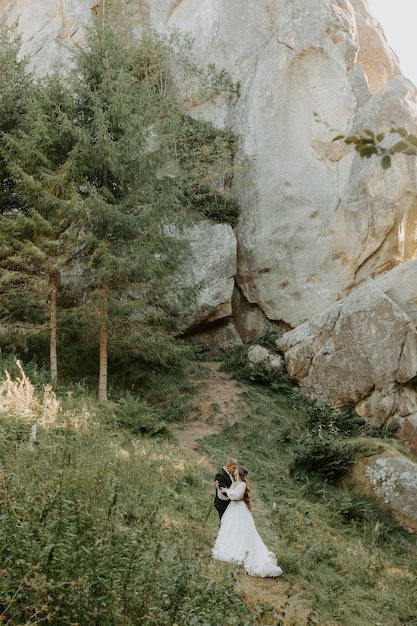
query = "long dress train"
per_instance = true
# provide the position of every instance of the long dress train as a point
(238, 541)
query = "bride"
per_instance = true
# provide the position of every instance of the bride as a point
(238, 541)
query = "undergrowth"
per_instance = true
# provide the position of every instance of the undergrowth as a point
(97, 522)
(105, 521)
(353, 563)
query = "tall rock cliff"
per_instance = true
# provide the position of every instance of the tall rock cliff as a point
(316, 220)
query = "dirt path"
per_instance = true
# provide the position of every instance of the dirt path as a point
(216, 404)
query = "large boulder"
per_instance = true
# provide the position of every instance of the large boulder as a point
(363, 353)
(364, 342)
(389, 478)
(316, 219)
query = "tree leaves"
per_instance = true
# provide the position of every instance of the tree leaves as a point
(369, 144)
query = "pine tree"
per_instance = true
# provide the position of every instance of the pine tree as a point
(87, 160)
(91, 160)
(125, 201)
(36, 227)
(21, 308)
(16, 84)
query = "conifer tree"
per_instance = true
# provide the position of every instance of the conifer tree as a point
(87, 160)
(20, 304)
(91, 159)
(125, 202)
(16, 84)
(36, 229)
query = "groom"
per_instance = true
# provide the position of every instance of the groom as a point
(224, 478)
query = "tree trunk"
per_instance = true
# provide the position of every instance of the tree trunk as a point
(52, 328)
(102, 378)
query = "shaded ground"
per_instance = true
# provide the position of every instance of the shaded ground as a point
(218, 403)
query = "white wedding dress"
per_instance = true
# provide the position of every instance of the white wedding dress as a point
(238, 541)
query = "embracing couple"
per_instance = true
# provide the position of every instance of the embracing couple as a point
(238, 541)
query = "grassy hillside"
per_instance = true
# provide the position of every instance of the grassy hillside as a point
(104, 524)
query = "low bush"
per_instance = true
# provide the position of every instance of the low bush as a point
(320, 455)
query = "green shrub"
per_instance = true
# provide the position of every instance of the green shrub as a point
(324, 417)
(236, 363)
(320, 455)
(206, 155)
(136, 415)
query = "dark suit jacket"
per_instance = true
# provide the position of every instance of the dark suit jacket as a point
(224, 481)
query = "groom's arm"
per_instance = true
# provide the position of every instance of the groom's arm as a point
(221, 479)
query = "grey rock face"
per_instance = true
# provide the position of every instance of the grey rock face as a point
(315, 219)
(208, 273)
(364, 342)
(363, 352)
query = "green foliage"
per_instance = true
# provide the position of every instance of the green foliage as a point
(15, 92)
(105, 165)
(167, 389)
(206, 155)
(202, 155)
(319, 454)
(138, 417)
(88, 172)
(15, 79)
(236, 362)
(324, 417)
(326, 537)
(94, 531)
(38, 376)
(269, 336)
(101, 527)
(323, 448)
(215, 82)
(321, 444)
(355, 508)
(369, 144)
(318, 448)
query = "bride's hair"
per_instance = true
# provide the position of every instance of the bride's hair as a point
(247, 497)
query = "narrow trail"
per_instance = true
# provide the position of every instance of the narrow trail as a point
(217, 403)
